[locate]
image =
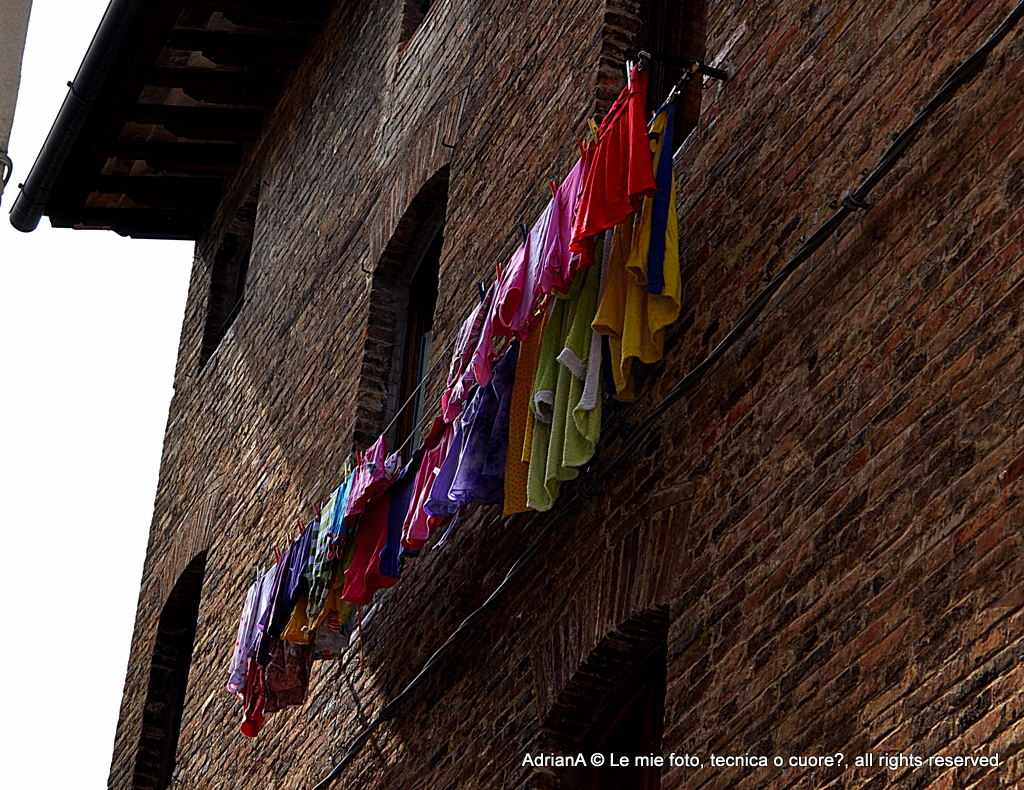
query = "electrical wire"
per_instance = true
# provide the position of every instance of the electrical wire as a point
(589, 485)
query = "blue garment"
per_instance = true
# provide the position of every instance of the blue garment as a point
(659, 211)
(401, 491)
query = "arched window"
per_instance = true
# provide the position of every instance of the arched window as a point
(632, 725)
(614, 702)
(168, 680)
(228, 276)
(401, 319)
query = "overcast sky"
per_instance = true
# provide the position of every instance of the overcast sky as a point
(89, 325)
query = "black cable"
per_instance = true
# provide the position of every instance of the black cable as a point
(850, 202)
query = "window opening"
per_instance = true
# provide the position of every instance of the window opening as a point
(418, 337)
(228, 276)
(168, 680)
(633, 726)
(413, 14)
(673, 32)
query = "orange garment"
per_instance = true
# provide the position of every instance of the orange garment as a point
(517, 458)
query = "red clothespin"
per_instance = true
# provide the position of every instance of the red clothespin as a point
(554, 188)
(583, 150)
(277, 554)
(302, 526)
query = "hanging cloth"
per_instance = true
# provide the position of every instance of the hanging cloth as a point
(632, 313)
(517, 469)
(620, 171)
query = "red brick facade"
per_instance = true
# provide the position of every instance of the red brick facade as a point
(824, 534)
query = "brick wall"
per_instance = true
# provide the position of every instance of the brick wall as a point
(829, 520)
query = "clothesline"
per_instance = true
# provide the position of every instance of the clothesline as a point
(592, 285)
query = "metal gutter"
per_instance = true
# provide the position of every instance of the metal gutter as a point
(119, 20)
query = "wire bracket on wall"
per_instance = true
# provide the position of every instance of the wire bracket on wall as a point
(853, 203)
(690, 66)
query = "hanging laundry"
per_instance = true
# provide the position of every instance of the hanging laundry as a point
(545, 386)
(634, 309)
(334, 635)
(582, 357)
(480, 471)
(371, 477)
(559, 445)
(437, 503)
(334, 605)
(290, 586)
(558, 262)
(519, 289)
(619, 172)
(517, 460)
(461, 374)
(286, 675)
(246, 676)
(332, 531)
(402, 490)
(245, 641)
(254, 700)
(363, 578)
(419, 524)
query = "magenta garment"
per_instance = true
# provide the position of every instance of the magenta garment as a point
(461, 373)
(485, 353)
(557, 262)
(418, 523)
(510, 289)
(519, 291)
(369, 479)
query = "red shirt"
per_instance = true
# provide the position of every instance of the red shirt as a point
(620, 171)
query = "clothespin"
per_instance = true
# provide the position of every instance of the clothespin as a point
(583, 151)
(592, 124)
(644, 60)
(302, 526)
(480, 290)
(524, 231)
(554, 188)
(277, 554)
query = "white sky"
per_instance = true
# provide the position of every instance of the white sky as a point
(89, 325)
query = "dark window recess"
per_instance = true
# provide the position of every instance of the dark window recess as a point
(633, 727)
(168, 680)
(413, 12)
(674, 31)
(416, 346)
(227, 279)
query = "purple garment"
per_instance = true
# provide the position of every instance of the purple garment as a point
(402, 490)
(480, 476)
(250, 629)
(291, 583)
(438, 503)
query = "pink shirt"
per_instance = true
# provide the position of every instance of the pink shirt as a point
(418, 523)
(558, 264)
(371, 476)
